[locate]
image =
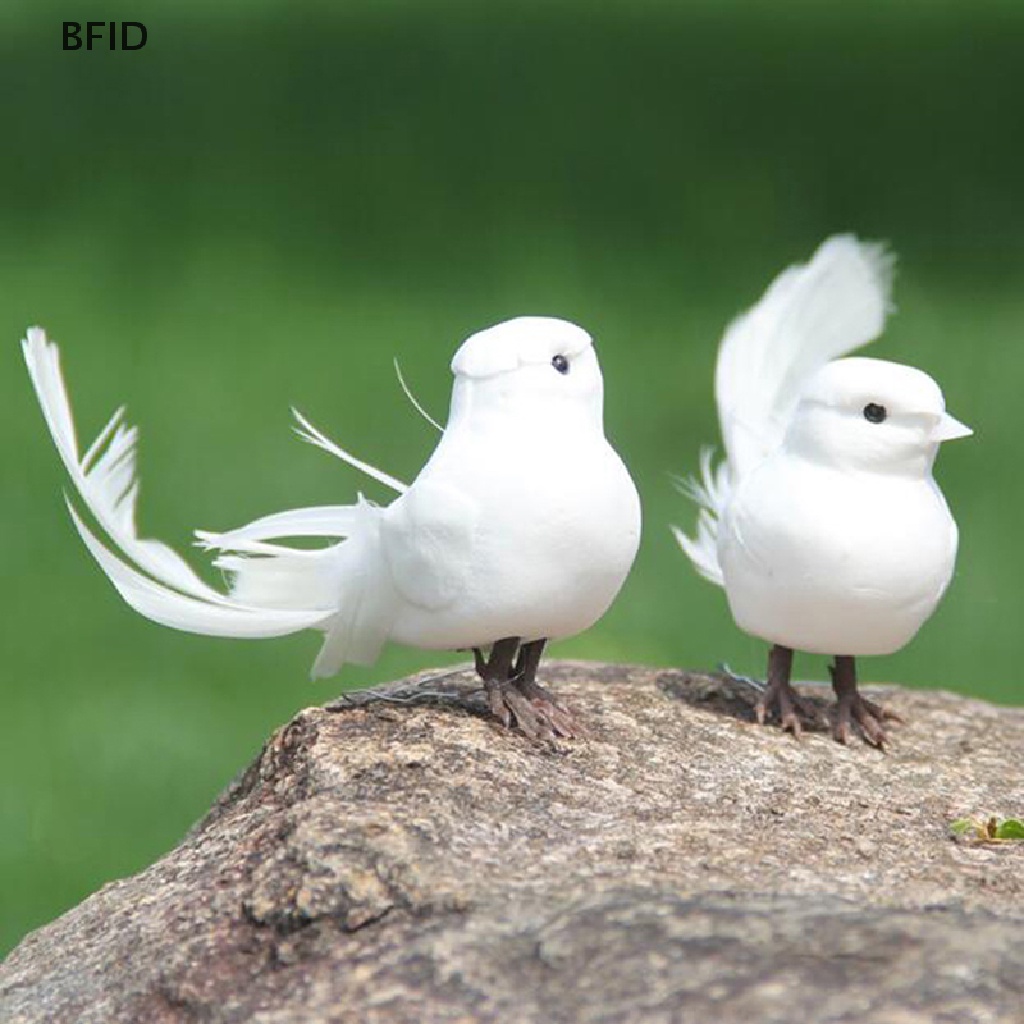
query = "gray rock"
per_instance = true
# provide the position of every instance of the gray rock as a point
(397, 857)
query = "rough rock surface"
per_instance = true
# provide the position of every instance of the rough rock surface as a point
(397, 857)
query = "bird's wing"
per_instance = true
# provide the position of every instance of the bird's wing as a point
(428, 538)
(812, 313)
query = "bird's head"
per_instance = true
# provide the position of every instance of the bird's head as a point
(533, 366)
(871, 414)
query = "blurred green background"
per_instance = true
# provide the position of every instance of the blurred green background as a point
(272, 199)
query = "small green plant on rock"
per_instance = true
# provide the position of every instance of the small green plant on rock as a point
(991, 830)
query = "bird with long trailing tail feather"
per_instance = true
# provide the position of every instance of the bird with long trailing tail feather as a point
(824, 523)
(521, 527)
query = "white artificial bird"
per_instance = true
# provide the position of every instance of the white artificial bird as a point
(521, 527)
(824, 523)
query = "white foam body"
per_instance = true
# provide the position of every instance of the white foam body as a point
(833, 561)
(548, 520)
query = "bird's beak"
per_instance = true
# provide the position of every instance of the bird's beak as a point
(949, 429)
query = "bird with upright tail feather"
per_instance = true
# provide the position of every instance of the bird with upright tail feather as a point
(521, 527)
(824, 523)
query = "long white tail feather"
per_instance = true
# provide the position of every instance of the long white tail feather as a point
(810, 314)
(322, 521)
(105, 478)
(274, 589)
(262, 547)
(169, 608)
(309, 433)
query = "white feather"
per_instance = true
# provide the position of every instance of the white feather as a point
(709, 494)
(367, 612)
(322, 521)
(349, 580)
(275, 590)
(163, 605)
(104, 478)
(811, 314)
(309, 433)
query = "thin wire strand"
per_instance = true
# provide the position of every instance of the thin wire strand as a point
(412, 398)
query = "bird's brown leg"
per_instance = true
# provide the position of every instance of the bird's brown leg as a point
(528, 661)
(479, 661)
(852, 707)
(507, 702)
(779, 692)
(558, 719)
(496, 670)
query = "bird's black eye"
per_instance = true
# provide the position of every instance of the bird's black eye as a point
(875, 413)
(561, 364)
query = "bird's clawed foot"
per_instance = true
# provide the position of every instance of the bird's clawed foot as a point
(530, 707)
(517, 699)
(793, 710)
(558, 718)
(852, 707)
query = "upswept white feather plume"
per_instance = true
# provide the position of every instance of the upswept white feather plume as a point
(811, 314)
(275, 590)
